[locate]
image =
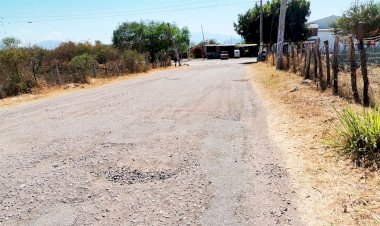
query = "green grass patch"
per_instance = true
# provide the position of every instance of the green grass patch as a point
(357, 136)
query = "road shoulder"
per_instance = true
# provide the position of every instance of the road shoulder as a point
(330, 190)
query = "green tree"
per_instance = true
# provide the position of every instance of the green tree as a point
(10, 42)
(248, 24)
(130, 35)
(152, 37)
(368, 13)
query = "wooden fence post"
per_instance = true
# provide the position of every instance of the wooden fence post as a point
(335, 65)
(298, 58)
(273, 55)
(117, 70)
(363, 63)
(327, 47)
(308, 59)
(315, 63)
(34, 70)
(294, 66)
(353, 71)
(287, 57)
(94, 69)
(105, 64)
(319, 61)
(58, 74)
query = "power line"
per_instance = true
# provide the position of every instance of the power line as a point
(92, 14)
(129, 14)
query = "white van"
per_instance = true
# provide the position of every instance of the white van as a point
(237, 53)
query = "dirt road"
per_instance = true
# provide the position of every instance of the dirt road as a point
(186, 146)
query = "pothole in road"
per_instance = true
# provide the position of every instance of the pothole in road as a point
(126, 175)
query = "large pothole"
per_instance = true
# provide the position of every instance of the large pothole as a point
(126, 175)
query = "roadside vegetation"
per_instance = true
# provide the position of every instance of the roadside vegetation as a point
(332, 189)
(357, 134)
(137, 47)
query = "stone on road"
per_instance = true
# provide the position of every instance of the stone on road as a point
(180, 147)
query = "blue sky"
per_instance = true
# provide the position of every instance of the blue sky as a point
(89, 20)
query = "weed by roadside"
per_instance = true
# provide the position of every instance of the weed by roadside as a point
(357, 136)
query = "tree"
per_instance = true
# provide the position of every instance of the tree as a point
(248, 25)
(152, 37)
(10, 42)
(368, 13)
(130, 35)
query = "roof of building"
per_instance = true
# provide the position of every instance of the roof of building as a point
(235, 45)
(325, 23)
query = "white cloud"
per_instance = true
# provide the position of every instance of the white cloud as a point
(55, 35)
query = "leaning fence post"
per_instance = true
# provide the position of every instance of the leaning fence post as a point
(363, 63)
(353, 71)
(326, 43)
(335, 65)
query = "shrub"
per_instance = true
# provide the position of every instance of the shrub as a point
(197, 51)
(358, 136)
(134, 61)
(14, 79)
(81, 66)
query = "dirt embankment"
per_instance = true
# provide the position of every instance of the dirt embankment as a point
(331, 190)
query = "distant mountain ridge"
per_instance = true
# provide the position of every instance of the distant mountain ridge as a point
(325, 23)
(197, 37)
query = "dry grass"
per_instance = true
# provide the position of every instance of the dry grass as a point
(344, 78)
(331, 190)
(44, 91)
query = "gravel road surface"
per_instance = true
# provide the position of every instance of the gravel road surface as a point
(187, 146)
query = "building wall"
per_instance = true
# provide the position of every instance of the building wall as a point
(325, 34)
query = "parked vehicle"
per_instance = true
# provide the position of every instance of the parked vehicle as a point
(237, 53)
(264, 55)
(224, 55)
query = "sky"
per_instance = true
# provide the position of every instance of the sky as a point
(34, 21)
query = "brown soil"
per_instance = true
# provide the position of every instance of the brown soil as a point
(331, 190)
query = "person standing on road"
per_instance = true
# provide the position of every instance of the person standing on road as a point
(175, 61)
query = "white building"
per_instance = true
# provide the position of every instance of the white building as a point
(322, 29)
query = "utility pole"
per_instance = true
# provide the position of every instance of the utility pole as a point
(281, 32)
(261, 30)
(204, 42)
(175, 46)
